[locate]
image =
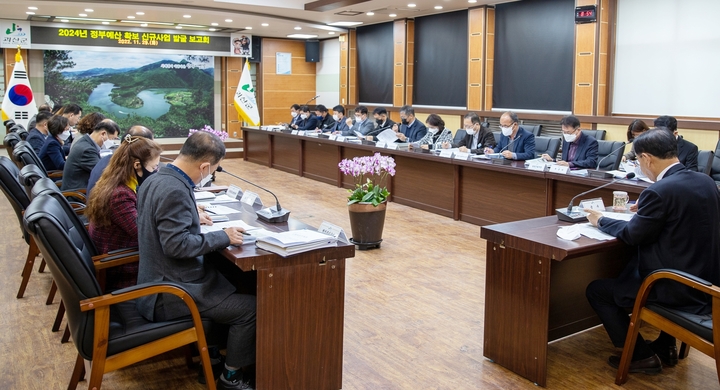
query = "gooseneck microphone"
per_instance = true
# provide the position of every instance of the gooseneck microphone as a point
(509, 143)
(597, 173)
(267, 214)
(308, 102)
(568, 215)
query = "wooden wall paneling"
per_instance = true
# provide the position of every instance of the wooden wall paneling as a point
(344, 68)
(399, 69)
(611, 11)
(233, 68)
(353, 92)
(409, 61)
(603, 67)
(585, 54)
(282, 91)
(489, 62)
(476, 47)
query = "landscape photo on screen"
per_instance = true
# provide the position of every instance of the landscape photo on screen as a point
(167, 93)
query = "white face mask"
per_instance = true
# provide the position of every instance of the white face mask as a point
(570, 137)
(293, 114)
(109, 144)
(204, 179)
(433, 130)
(358, 118)
(335, 117)
(470, 131)
(506, 131)
(303, 116)
(65, 135)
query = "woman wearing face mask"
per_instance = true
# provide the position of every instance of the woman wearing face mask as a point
(51, 153)
(435, 127)
(112, 207)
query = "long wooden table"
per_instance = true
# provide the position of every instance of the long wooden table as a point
(477, 192)
(535, 290)
(300, 310)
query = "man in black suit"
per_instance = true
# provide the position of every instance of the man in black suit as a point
(410, 129)
(677, 226)
(85, 154)
(382, 122)
(295, 114)
(578, 150)
(39, 132)
(326, 121)
(477, 137)
(308, 121)
(687, 151)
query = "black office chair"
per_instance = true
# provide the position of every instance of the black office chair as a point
(696, 331)
(705, 161)
(31, 174)
(10, 140)
(597, 134)
(715, 166)
(107, 329)
(497, 135)
(549, 145)
(459, 135)
(24, 154)
(609, 155)
(535, 129)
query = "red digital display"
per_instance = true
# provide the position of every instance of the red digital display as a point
(586, 14)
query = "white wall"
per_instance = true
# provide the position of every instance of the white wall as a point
(327, 81)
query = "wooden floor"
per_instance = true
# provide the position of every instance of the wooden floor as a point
(413, 312)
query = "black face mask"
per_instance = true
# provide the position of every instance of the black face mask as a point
(145, 175)
(405, 121)
(379, 121)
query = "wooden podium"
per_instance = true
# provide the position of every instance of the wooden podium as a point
(535, 290)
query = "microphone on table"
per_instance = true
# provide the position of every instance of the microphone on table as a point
(597, 173)
(378, 130)
(267, 214)
(568, 215)
(308, 102)
(509, 143)
(502, 160)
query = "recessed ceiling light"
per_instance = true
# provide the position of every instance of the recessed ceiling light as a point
(370, 13)
(105, 22)
(140, 22)
(213, 29)
(298, 28)
(472, 1)
(89, 10)
(393, 15)
(30, 13)
(32, 8)
(302, 36)
(228, 20)
(214, 24)
(178, 27)
(131, 17)
(139, 13)
(143, 25)
(191, 25)
(64, 20)
(331, 33)
(344, 24)
(83, 15)
(187, 16)
(438, 7)
(248, 28)
(411, 5)
(264, 24)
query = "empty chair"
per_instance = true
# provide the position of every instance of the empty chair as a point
(535, 129)
(549, 145)
(705, 161)
(597, 134)
(10, 140)
(107, 329)
(31, 174)
(459, 135)
(609, 155)
(497, 136)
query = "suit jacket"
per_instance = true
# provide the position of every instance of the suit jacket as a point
(96, 172)
(52, 155)
(523, 146)
(586, 153)
(36, 139)
(388, 124)
(341, 126)
(485, 138)
(295, 120)
(414, 132)
(310, 123)
(687, 154)
(172, 247)
(677, 226)
(83, 157)
(326, 123)
(364, 128)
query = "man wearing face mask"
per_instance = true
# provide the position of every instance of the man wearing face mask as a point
(578, 150)
(687, 151)
(325, 121)
(410, 130)
(382, 122)
(361, 124)
(307, 121)
(85, 154)
(476, 137)
(294, 114)
(677, 226)
(516, 143)
(173, 249)
(340, 127)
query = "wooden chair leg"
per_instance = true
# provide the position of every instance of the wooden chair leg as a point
(59, 317)
(625, 360)
(41, 269)
(684, 351)
(33, 251)
(78, 373)
(66, 335)
(189, 356)
(51, 294)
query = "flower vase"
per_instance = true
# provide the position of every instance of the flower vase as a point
(366, 223)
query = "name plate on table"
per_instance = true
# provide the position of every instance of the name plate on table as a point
(446, 153)
(340, 138)
(233, 191)
(538, 166)
(380, 144)
(334, 231)
(462, 156)
(560, 169)
(250, 198)
(333, 137)
(294, 132)
(593, 204)
(392, 145)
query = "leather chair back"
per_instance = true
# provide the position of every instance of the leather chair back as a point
(597, 134)
(497, 136)
(549, 145)
(612, 148)
(25, 155)
(29, 175)
(715, 166)
(71, 266)
(535, 129)
(459, 135)
(705, 161)
(13, 190)
(10, 140)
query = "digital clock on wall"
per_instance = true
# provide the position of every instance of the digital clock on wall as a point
(586, 14)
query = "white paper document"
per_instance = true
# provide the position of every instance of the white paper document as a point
(203, 195)
(216, 209)
(387, 136)
(620, 216)
(574, 232)
(224, 199)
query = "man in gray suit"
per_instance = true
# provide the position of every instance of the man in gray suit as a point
(172, 249)
(85, 154)
(361, 124)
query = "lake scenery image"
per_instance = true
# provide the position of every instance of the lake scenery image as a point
(169, 94)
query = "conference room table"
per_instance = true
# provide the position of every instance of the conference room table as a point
(300, 308)
(475, 191)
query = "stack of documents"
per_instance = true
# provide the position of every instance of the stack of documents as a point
(295, 241)
(252, 232)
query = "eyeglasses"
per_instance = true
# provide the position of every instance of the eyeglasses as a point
(510, 125)
(570, 132)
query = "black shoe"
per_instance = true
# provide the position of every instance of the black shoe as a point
(667, 354)
(235, 382)
(648, 366)
(217, 367)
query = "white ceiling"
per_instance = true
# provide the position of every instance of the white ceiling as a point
(282, 16)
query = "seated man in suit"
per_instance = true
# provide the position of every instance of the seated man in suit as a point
(37, 135)
(382, 122)
(85, 154)
(476, 137)
(516, 143)
(687, 151)
(410, 129)
(578, 150)
(677, 226)
(308, 120)
(325, 121)
(294, 115)
(341, 127)
(362, 123)
(173, 249)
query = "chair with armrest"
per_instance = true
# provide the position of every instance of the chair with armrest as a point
(597, 134)
(10, 140)
(609, 155)
(25, 155)
(715, 165)
(497, 136)
(459, 135)
(549, 145)
(534, 129)
(705, 161)
(106, 329)
(696, 331)
(31, 174)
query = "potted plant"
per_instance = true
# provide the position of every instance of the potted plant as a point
(367, 202)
